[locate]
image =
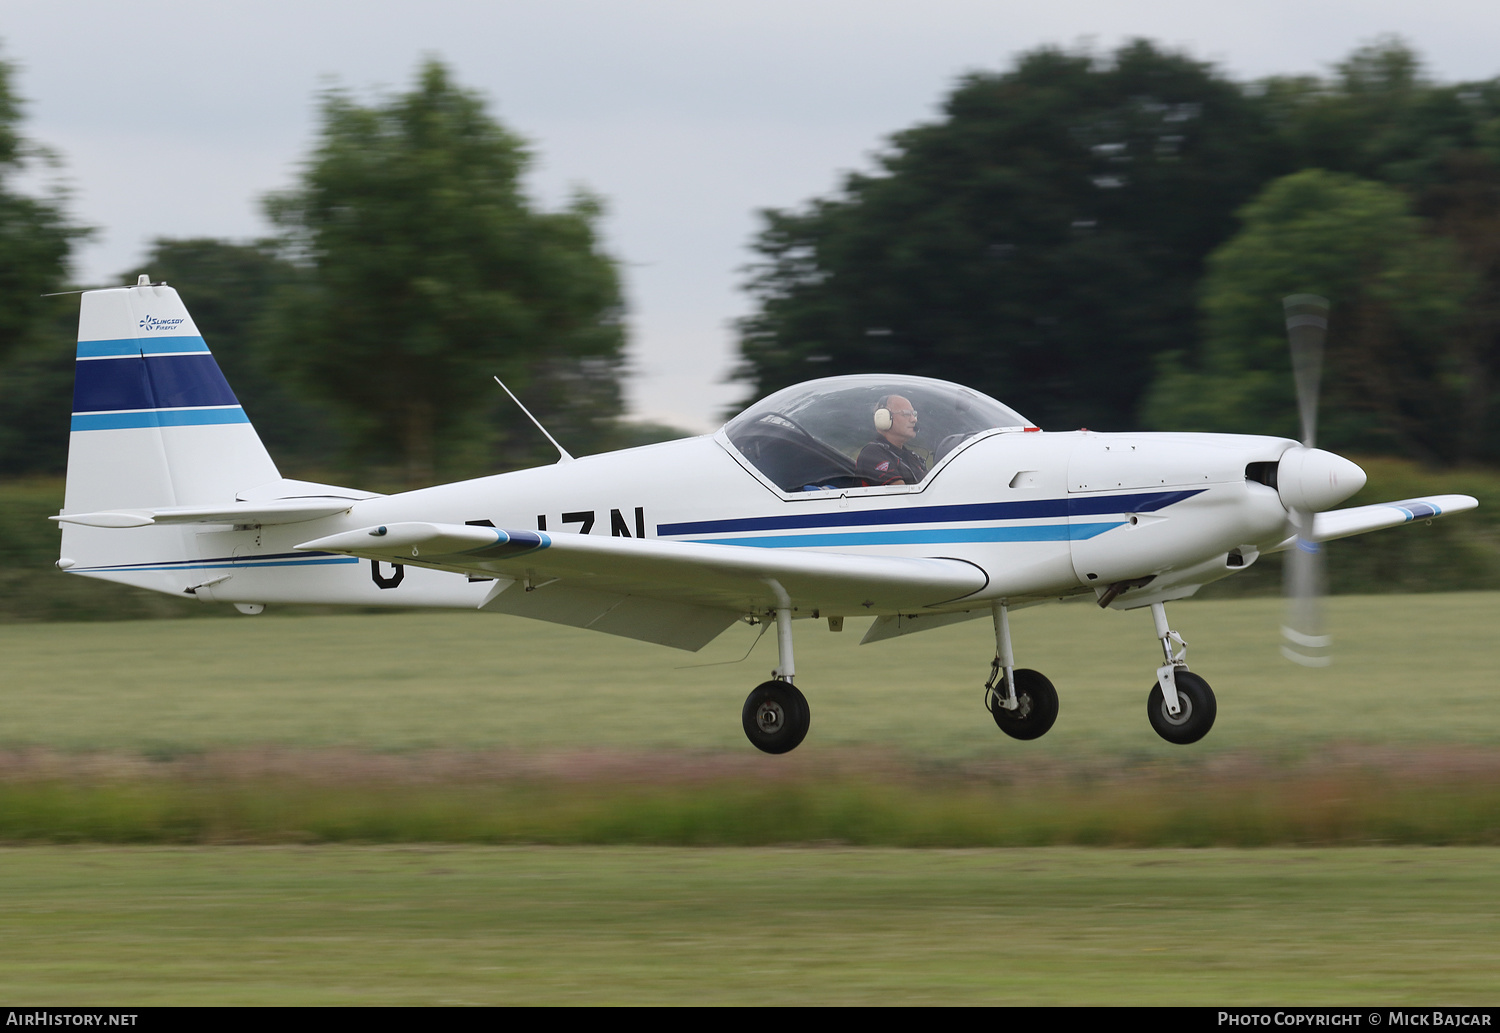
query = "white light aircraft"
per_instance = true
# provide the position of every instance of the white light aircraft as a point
(769, 520)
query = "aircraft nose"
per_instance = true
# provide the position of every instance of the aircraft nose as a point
(1312, 479)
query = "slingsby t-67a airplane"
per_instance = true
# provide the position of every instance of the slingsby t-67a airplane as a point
(773, 518)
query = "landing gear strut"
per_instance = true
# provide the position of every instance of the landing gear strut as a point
(1023, 703)
(776, 715)
(1181, 706)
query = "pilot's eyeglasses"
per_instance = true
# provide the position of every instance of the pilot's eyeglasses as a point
(904, 412)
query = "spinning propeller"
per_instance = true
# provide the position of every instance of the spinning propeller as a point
(1303, 475)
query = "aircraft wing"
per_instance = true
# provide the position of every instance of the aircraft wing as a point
(1342, 523)
(676, 593)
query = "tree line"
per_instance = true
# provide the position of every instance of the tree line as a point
(407, 269)
(1098, 239)
(1104, 241)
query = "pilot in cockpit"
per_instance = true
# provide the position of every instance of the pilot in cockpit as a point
(887, 460)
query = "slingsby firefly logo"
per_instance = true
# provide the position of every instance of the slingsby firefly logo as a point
(148, 324)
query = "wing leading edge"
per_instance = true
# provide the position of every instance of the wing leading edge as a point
(676, 593)
(1343, 523)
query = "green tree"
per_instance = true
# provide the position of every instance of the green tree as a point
(1392, 372)
(1378, 116)
(36, 332)
(36, 238)
(1041, 241)
(229, 288)
(426, 270)
(1381, 118)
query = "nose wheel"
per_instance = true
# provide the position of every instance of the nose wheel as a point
(1181, 706)
(776, 717)
(1196, 710)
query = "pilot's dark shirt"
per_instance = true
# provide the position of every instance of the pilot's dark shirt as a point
(881, 462)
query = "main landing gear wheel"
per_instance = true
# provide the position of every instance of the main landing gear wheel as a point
(1036, 706)
(776, 717)
(1197, 710)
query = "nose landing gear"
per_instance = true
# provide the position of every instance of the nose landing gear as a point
(1181, 707)
(1196, 709)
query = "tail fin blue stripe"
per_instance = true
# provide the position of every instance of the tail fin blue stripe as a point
(136, 346)
(153, 382)
(158, 418)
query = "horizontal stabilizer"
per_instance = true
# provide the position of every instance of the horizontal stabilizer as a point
(729, 577)
(291, 511)
(1343, 523)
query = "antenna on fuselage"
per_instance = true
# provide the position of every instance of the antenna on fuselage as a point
(562, 452)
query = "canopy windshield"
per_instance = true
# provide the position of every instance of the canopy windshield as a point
(809, 437)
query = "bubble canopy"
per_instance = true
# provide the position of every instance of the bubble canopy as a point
(808, 437)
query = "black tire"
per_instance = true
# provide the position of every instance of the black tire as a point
(1036, 708)
(1198, 710)
(776, 717)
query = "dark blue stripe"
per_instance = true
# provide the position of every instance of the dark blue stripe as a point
(1089, 505)
(930, 536)
(235, 565)
(512, 543)
(1418, 510)
(152, 382)
(275, 559)
(158, 418)
(137, 346)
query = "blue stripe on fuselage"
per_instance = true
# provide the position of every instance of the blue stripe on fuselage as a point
(1041, 509)
(278, 559)
(924, 536)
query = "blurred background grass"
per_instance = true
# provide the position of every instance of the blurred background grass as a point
(1409, 670)
(456, 925)
(413, 727)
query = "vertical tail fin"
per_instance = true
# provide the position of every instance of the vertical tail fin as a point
(154, 425)
(154, 421)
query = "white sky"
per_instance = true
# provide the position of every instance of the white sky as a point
(174, 117)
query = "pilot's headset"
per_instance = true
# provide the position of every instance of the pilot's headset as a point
(883, 414)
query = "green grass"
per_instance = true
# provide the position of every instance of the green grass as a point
(1410, 671)
(466, 728)
(442, 735)
(422, 925)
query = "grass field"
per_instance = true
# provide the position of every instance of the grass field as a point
(1410, 671)
(471, 729)
(426, 925)
(407, 746)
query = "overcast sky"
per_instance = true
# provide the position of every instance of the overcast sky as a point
(174, 118)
